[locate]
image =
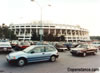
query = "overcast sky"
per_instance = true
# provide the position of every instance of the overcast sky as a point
(85, 13)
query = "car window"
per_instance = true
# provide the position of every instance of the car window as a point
(49, 48)
(82, 46)
(28, 49)
(38, 49)
(5, 45)
(91, 46)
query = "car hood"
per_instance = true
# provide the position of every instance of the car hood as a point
(62, 48)
(77, 48)
(16, 53)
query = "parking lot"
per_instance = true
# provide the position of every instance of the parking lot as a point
(65, 61)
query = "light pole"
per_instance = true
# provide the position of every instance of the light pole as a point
(41, 27)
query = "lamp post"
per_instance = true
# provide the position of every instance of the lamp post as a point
(41, 27)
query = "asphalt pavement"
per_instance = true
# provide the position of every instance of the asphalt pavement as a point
(66, 63)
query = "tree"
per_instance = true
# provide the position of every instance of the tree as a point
(35, 37)
(62, 38)
(6, 33)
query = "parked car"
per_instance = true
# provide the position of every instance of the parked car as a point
(42, 43)
(21, 45)
(84, 49)
(14, 43)
(60, 47)
(97, 71)
(33, 53)
(96, 44)
(5, 46)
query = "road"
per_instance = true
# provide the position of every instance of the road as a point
(65, 61)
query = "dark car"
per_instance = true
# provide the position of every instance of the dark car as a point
(84, 49)
(61, 47)
(71, 45)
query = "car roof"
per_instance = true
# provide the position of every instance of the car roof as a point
(41, 45)
(4, 42)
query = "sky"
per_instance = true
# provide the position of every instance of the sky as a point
(85, 13)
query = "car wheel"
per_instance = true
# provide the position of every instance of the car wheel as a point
(73, 54)
(84, 54)
(52, 58)
(21, 62)
(94, 53)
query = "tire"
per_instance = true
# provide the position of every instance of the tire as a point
(21, 62)
(73, 54)
(84, 54)
(53, 58)
(94, 53)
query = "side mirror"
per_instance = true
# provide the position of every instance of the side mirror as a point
(32, 52)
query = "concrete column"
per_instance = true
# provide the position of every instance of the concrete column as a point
(24, 33)
(54, 31)
(75, 35)
(66, 35)
(61, 31)
(66, 32)
(71, 35)
(78, 35)
(15, 30)
(19, 31)
(36, 31)
(30, 33)
(49, 30)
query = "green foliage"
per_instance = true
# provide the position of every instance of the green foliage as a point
(62, 37)
(6, 33)
(47, 37)
(35, 37)
(95, 37)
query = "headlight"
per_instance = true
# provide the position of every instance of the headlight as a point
(13, 57)
(79, 51)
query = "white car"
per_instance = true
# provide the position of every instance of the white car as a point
(96, 44)
(5, 46)
(98, 71)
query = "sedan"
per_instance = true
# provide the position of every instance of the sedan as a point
(5, 46)
(84, 49)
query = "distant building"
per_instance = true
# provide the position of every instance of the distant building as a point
(71, 33)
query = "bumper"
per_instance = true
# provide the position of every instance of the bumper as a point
(4, 49)
(57, 56)
(12, 61)
(77, 53)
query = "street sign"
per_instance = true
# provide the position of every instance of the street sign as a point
(41, 31)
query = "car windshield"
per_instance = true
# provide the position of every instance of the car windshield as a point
(82, 46)
(28, 49)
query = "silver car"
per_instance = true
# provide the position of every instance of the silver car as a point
(33, 53)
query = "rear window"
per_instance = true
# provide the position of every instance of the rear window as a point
(5, 45)
(83, 46)
(50, 48)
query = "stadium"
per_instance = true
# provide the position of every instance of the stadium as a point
(72, 33)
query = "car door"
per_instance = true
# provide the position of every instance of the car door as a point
(36, 54)
(49, 50)
(90, 49)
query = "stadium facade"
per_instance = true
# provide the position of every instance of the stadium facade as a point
(72, 33)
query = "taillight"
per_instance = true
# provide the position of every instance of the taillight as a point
(8, 47)
(57, 53)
